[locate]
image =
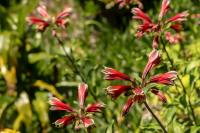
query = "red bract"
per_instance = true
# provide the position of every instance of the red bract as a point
(153, 61)
(115, 91)
(156, 28)
(166, 78)
(80, 116)
(160, 95)
(112, 74)
(46, 20)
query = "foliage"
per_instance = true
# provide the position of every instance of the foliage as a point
(33, 67)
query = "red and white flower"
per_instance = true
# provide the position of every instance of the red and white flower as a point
(166, 78)
(80, 116)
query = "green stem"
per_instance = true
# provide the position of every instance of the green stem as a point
(178, 77)
(159, 122)
(73, 64)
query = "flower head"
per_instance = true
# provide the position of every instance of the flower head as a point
(82, 116)
(161, 26)
(45, 20)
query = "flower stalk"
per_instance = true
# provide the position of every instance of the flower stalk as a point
(152, 113)
(181, 82)
(74, 66)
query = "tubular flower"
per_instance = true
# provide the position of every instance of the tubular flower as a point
(136, 94)
(148, 26)
(82, 116)
(173, 39)
(45, 20)
(166, 78)
(153, 61)
(116, 91)
(160, 95)
(127, 106)
(112, 74)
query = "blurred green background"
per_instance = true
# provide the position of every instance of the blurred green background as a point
(32, 66)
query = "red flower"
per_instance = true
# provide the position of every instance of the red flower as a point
(127, 106)
(139, 95)
(115, 91)
(164, 8)
(123, 3)
(139, 14)
(178, 17)
(80, 116)
(112, 74)
(96, 107)
(160, 95)
(148, 26)
(153, 61)
(42, 11)
(66, 120)
(155, 42)
(82, 93)
(60, 18)
(176, 38)
(87, 121)
(56, 104)
(40, 23)
(46, 20)
(166, 78)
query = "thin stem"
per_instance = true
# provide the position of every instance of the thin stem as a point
(159, 122)
(74, 65)
(181, 82)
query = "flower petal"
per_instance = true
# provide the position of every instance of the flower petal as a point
(41, 24)
(66, 120)
(112, 74)
(58, 105)
(96, 107)
(87, 121)
(115, 91)
(139, 94)
(160, 95)
(82, 93)
(127, 106)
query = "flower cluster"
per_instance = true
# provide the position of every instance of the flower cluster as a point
(124, 3)
(158, 28)
(45, 20)
(82, 117)
(136, 91)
